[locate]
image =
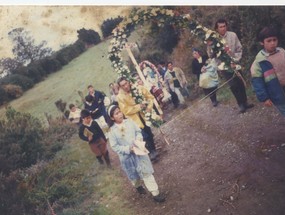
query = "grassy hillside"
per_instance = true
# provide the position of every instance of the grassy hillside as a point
(75, 169)
(92, 67)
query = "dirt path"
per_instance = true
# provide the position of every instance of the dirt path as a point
(219, 162)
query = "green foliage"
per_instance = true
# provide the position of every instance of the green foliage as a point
(11, 197)
(25, 48)
(65, 55)
(17, 79)
(167, 37)
(13, 91)
(108, 26)
(90, 37)
(8, 65)
(50, 64)
(61, 105)
(25, 142)
(3, 96)
(20, 145)
(63, 182)
(33, 71)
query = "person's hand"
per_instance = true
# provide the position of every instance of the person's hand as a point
(143, 106)
(203, 69)
(233, 65)
(226, 48)
(90, 138)
(132, 149)
(148, 110)
(268, 103)
(209, 42)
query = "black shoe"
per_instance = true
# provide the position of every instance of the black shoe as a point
(153, 155)
(248, 106)
(159, 198)
(141, 190)
(242, 108)
(215, 104)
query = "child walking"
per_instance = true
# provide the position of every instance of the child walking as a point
(126, 140)
(91, 132)
(268, 70)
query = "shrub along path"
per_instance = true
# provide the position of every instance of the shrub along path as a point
(219, 162)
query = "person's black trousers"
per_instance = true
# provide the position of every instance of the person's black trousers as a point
(237, 87)
(213, 95)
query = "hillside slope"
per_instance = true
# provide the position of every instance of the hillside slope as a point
(92, 67)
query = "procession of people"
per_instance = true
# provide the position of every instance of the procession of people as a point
(165, 84)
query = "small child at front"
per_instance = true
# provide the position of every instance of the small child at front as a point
(268, 70)
(125, 139)
(91, 132)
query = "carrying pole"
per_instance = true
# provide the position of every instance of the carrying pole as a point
(146, 84)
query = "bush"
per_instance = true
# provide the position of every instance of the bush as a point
(25, 142)
(20, 145)
(35, 72)
(90, 37)
(3, 96)
(17, 79)
(11, 198)
(168, 38)
(50, 65)
(108, 26)
(68, 53)
(80, 46)
(13, 91)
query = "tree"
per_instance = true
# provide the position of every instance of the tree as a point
(25, 48)
(108, 26)
(8, 65)
(88, 36)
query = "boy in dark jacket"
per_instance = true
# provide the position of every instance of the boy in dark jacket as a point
(91, 132)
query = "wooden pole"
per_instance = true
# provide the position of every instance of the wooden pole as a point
(146, 84)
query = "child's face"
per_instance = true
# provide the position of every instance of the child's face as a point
(196, 54)
(87, 120)
(270, 44)
(118, 116)
(91, 90)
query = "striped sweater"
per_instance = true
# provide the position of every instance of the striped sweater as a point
(268, 76)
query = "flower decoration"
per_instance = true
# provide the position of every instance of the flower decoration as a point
(160, 16)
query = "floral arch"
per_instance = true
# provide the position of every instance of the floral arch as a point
(160, 16)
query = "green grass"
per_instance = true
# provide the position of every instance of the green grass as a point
(92, 67)
(75, 169)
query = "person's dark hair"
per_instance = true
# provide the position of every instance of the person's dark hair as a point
(84, 113)
(162, 63)
(268, 31)
(89, 86)
(135, 74)
(71, 106)
(169, 63)
(220, 21)
(120, 79)
(89, 98)
(196, 50)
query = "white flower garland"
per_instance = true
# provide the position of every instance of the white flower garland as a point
(160, 16)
